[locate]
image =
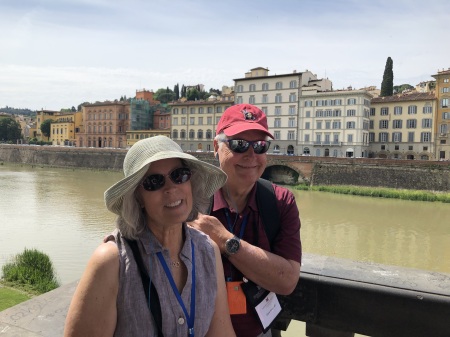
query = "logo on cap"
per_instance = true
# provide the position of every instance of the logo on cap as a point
(248, 115)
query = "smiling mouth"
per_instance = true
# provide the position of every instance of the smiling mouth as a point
(174, 204)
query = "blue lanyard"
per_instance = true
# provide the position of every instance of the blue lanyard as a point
(191, 318)
(231, 226)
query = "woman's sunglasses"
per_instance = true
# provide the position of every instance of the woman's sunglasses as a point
(155, 181)
(241, 145)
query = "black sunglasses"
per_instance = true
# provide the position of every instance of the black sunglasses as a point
(155, 181)
(241, 145)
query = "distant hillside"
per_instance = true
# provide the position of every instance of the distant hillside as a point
(14, 111)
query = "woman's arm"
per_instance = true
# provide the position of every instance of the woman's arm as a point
(93, 311)
(221, 321)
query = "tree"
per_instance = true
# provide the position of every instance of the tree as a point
(398, 89)
(193, 94)
(183, 91)
(10, 130)
(176, 90)
(164, 95)
(45, 127)
(387, 86)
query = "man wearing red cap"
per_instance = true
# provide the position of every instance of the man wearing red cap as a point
(255, 268)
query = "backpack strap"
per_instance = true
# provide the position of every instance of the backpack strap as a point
(155, 306)
(267, 206)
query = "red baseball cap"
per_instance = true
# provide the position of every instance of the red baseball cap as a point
(242, 117)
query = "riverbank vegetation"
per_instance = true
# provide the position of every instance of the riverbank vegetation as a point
(29, 273)
(380, 192)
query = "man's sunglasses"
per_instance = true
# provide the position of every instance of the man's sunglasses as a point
(241, 145)
(155, 181)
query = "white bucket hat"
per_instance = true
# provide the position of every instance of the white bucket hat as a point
(206, 178)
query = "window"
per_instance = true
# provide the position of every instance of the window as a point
(209, 120)
(319, 125)
(191, 134)
(412, 110)
(278, 98)
(371, 124)
(350, 125)
(192, 120)
(292, 110)
(291, 122)
(384, 124)
(446, 115)
(371, 137)
(443, 128)
(264, 109)
(398, 110)
(397, 137)
(200, 134)
(183, 111)
(384, 137)
(308, 103)
(239, 100)
(277, 110)
(183, 134)
(201, 110)
(351, 112)
(175, 121)
(336, 113)
(351, 101)
(445, 80)
(307, 138)
(208, 134)
(293, 84)
(291, 135)
(278, 85)
(336, 124)
(265, 86)
(350, 138)
(175, 111)
(397, 124)
(200, 121)
(445, 90)
(183, 120)
(427, 109)
(336, 139)
(251, 99)
(264, 99)
(276, 134)
(444, 102)
(292, 97)
(308, 114)
(277, 123)
(372, 111)
(307, 126)
(240, 88)
(411, 124)
(328, 125)
(210, 110)
(252, 87)
(426, 123)
(384, 111)
(425, 137)
(411, 137)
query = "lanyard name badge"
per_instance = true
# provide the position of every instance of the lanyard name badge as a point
(266, 303)
(237, 302)
(189, 318)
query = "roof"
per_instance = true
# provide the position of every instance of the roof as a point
(416, 96)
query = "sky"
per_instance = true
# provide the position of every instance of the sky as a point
(55, 54)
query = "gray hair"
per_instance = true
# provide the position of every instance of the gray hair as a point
(132, 221)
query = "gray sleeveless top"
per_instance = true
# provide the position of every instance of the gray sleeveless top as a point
(134, 318)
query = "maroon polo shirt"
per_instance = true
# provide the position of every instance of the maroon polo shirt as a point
(287, 243)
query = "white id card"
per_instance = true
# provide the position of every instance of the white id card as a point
(268, 309)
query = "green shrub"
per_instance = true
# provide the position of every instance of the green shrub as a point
(31, 270)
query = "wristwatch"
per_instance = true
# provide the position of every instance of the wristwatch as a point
(232, 246)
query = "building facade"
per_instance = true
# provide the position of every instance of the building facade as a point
(442, 114)
(334, 123)
(193, 124)
(104, 125)
(63, 131)
(403, 126)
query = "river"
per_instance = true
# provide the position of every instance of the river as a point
(61, 212)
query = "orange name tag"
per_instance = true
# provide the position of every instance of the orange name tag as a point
(236, 298)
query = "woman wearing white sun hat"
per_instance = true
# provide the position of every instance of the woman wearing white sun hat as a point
(154, 275)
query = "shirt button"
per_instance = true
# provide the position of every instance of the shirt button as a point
(181, 320)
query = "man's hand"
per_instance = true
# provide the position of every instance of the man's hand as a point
(212, 227)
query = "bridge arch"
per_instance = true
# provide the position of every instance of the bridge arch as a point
(285, 174)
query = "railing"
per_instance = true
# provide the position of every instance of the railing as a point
(335, 297)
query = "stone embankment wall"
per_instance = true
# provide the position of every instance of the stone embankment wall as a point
(417, 178)
(97, 159)
(403, 174)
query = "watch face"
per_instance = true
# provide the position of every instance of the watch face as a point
(232, 246)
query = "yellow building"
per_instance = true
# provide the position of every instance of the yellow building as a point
(135, 135)
(442, 121)
(402, 126)
(42, 116)
(63, 130)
